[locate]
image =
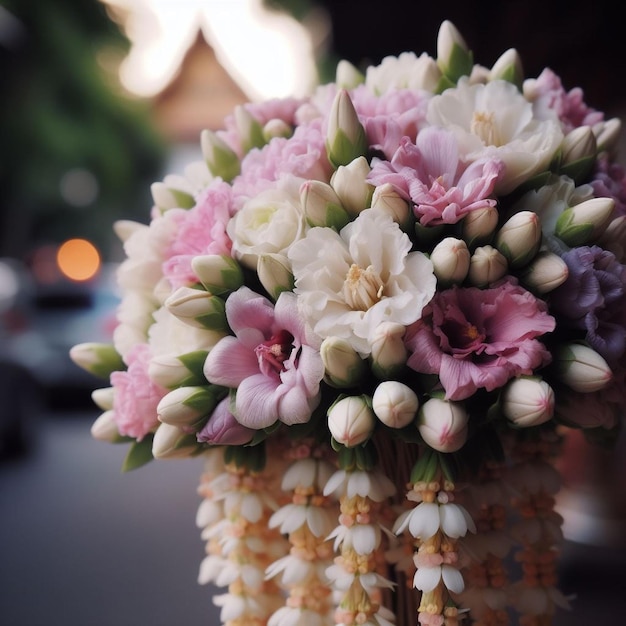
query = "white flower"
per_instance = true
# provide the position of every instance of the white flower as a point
(363, 538)
(307, 472)
(268, 223)
(495, 120)
(427, 518)
(347, 286)
(291, 616)
(296, 571)
(320, 521)
(406, 71)
(427, 578)
(373, 484)
(342, 579)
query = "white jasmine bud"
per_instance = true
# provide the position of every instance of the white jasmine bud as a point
(351, 420)
(344, 367)
(395, 404)
(579, 144)
(347, 76)
(519, 238)
(527, 401)
(486, 266)
(385, 198)
(582, 368)
(171, 371)
(171, 442)
(219, 157)
(99, 359)
(508, 67)
(198, 308)
(451, 261)
(105, 428)
(189, 406)
(322, 206)
(350, 184)
(103, 398)
(345, 139)
(443, 424)
(389, 353)
(584, 222)
(274, 272)
(250, 131)
(454, 58)
(545, 272)
(478, 226)
(218, 273)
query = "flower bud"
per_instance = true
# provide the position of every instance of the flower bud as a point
(607, 134)
(171, 371)
(274, 272)
(171, 442)
(188, 407)
(344, 367)
(171, 194)
(105, 429)
(395, 404)
(582, 368)
(276, 128)
(478, 226)
(345, 138)
(347, 76)
(508, 67)
(218, 273)
(198, 308)
(103, 398)
(125, 228)
(250, 131)
(386, 199)
(351, 420)
(350, 184)
(222, 428)
(486, 266)
(584, 222)
(443, 424)
(454, 58)
(388, 351)
(578, 153)
(545, 272)
(527, 401)
(614, 238)
(519, 238)
(99, 359)
(322, 206)
(451, 261)
(221, 160)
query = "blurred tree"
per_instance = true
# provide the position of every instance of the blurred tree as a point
(77, 153)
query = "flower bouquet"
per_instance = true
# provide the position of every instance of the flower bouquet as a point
(376, 312)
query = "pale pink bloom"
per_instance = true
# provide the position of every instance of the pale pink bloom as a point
(199, 230)
(431, 174)
(269, 360)
(136, 396)
(223, 429)
(480, 338)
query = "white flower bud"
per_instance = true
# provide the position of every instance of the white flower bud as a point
(350, 184)
(187, 406)
(486, 266)
(584, 222)
(103, 398)
(519, 238)
(351, 420)
(389, 353)
(344, 367)
(453, 56)
(528, 401)
(508, 67)
(250, 131)
(614, 238)
(395, 404)
(451, 260)
(607, 134)
(345, 138)
(166, 197)
(276, 128)
(218, 273)
(478, 226)
(171, 442)
(386, 199)
(198, 308)
(105, 428)
(274, 272)
(579, 143)
(221, 160)
(545, 272)
(347, 76)
(174, 370)
(125, 228)
(443, 424)
(99, 359)
(322, 206)
(582, 368)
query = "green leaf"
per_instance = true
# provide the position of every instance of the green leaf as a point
(139, 453)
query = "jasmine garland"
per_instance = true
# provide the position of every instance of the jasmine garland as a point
(376, 312)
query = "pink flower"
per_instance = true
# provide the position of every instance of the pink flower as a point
(199, 230)
(480, 338)
(136, 397)
(429, 172)
(270, 361)
(224, 429)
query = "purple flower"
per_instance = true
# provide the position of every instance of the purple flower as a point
(269, 360)
(430, 173)
(593, 299)
(224, 429)
(479, 338)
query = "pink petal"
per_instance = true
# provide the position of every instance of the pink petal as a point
(256, 403)
(230, 362)
(248, 311)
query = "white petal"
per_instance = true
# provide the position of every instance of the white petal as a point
(301, 473)
(452, 578)
(365, 539)
(427, 578)
(335, 482)
(453, 522)
(424, 521)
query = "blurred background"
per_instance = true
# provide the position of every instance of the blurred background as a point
(98, 100)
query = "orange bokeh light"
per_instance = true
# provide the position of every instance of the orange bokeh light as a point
(78, 259)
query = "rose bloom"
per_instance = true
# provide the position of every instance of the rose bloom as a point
(495, 120)
(270, 360)
(350, 282)
(480, 338)
(135, 396)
